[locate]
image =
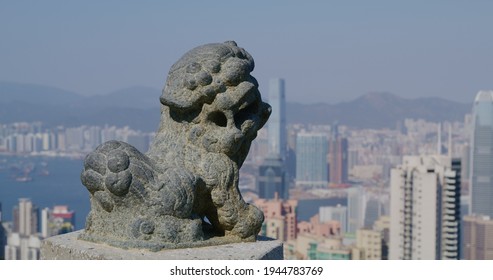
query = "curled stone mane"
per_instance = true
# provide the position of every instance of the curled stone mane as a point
(204, 72)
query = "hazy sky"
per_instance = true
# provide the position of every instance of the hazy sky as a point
(328, 51)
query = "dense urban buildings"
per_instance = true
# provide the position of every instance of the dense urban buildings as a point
(23, 236)
(24, 138)
(340, 199)
(425, 208)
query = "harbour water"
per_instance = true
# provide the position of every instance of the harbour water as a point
(47, 181)
(50, 181)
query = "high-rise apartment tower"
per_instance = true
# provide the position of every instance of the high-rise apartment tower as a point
(425, 208)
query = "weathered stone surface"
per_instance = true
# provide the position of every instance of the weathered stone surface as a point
(184, 191)
(69, 247)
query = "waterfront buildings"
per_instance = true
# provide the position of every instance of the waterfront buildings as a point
(30, 139)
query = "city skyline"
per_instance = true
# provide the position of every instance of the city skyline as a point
(328, 51)
(371, 171)
(370, 153)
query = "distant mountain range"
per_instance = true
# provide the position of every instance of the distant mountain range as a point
(378, 110)
(138, 107)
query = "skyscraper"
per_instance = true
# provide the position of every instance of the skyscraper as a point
(311, 159)
(356, 205)
(372, 211)
(273, 172)
(338, 154)
(272, 178)
(25, 217)
(277, 121)
(23, 243)
(466, 163)
(481, 181)
(425, 208)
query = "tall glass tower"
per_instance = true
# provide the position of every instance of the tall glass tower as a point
(311, 160)
(482, 155)
(277, 122)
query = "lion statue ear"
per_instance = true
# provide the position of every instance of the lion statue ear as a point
(199, 75)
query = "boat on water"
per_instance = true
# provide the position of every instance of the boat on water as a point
(21, 172)
(23, 179)
(44, 172)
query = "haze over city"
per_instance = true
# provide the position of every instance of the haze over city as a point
(328, 51)
(376, 143)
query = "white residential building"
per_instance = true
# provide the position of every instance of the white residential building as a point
(425, 208)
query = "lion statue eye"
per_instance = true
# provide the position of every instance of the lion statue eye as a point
(218, 118)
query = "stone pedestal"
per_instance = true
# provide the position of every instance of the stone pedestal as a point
(68, 247)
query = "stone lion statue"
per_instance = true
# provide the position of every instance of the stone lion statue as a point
(184, 191)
